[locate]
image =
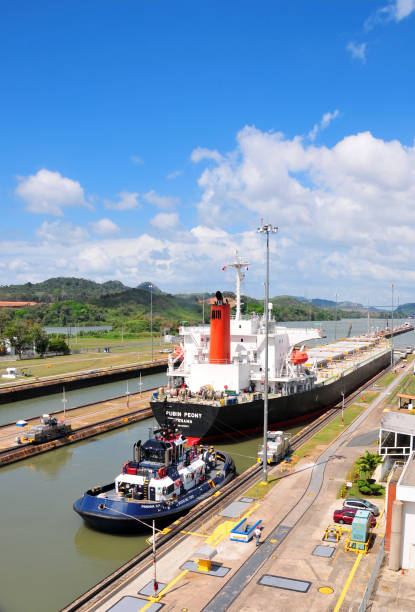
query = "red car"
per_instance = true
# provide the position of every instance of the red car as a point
(346, 515)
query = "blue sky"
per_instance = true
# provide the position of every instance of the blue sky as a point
(144, 140)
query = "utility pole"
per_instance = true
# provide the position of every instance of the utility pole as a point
(335, 322)
(64, 400)
(151, 322)
(267, 230)
(342, 407)
(155, 583)
(392, 344)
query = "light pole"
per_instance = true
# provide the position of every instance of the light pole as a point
(151, 321)
(155, 583)
(342, 407)
(266, 229)
(392, 345)
(335, 322)
(64, 400)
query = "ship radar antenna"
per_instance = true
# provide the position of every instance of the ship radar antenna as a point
(239, 264)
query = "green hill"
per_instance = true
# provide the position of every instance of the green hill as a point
(76, 301)
(406, 310)
(59, 289)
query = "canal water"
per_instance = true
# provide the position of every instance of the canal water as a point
(49, 556)
(51, 403)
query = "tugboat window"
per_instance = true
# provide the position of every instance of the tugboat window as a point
(154, 455)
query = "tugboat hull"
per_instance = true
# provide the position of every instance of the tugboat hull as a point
(103, 510)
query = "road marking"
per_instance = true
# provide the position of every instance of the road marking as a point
(163, 591)
(347, 583)
(379, 518)
(194, 533)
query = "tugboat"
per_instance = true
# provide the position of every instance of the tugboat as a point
(164, 479)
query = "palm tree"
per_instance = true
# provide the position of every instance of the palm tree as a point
(367, 464)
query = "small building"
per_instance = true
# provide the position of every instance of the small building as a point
(4, 304)
(400, 517)
(397, 436)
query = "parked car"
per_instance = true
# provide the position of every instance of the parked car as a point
(361, 504)
(346, 515)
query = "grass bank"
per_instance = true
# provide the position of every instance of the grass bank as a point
(125, 354)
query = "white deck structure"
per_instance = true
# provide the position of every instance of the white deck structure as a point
(247, 354)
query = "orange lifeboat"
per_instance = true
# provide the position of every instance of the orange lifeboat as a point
(298, 357)
(178, 352)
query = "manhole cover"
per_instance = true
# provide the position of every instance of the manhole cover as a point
(323, 551)
(289, 584)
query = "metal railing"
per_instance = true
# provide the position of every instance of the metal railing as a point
(373, 576)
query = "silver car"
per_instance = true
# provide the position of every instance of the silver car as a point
(360, 504)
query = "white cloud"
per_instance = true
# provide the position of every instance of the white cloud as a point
(357, 50)
(402, 9)
(61, 232)
(163, 202)
(174, 174)
(165, 221)
(396, 11)
(137, 160)
(105, 227)
(352, 202)
(127, 201)
(201, 153)
(346, 215)
(48, 192)
(324, 123)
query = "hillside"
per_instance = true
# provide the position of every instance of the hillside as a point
(73, 301)
(59, 289)
(406, 310)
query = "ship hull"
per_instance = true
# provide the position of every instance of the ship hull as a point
(211, 421)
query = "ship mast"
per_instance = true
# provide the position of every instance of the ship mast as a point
(238, 264)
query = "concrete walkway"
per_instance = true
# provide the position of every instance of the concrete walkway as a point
(295, 514)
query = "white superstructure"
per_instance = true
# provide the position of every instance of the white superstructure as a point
(245, 370)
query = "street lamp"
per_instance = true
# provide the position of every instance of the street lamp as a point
(266, 229)
(392, 344)
(151, 321)
(335, 322)
(64, 400)
(342, 407)
(155, 583)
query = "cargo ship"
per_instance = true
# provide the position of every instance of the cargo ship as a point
(216, 376)
(165, 478)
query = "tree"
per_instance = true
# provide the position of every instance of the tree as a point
(58, 345)
(368, 462)
(40, 340)
(19, 336)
